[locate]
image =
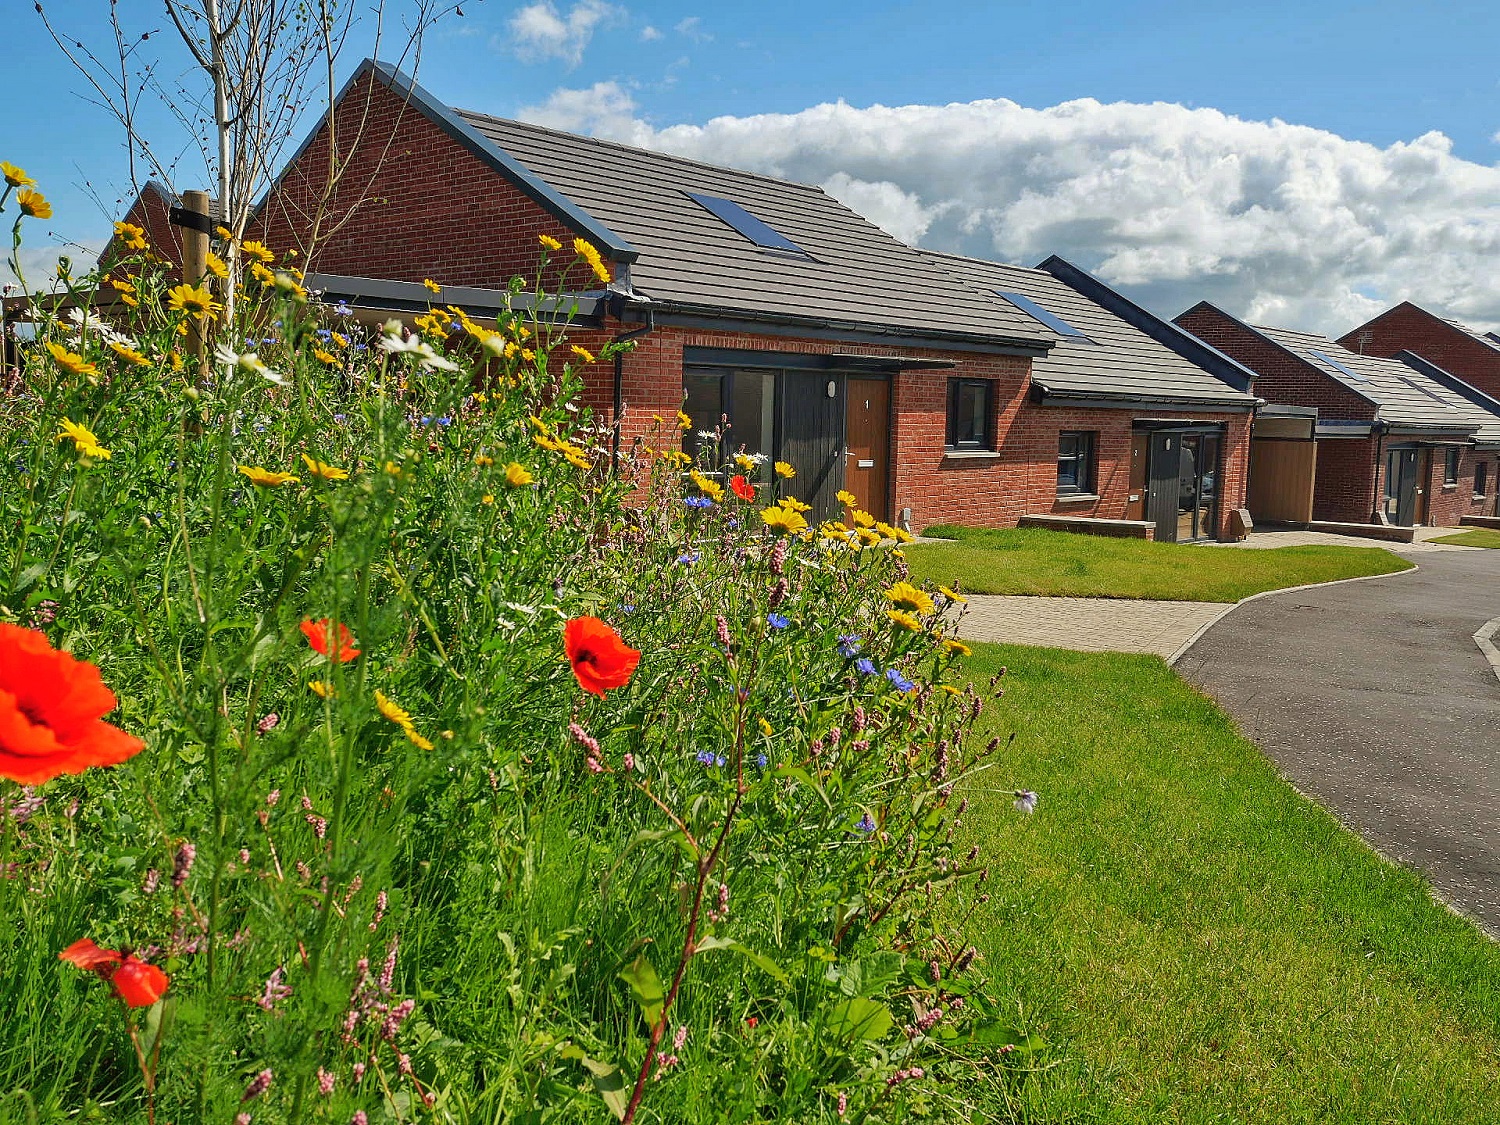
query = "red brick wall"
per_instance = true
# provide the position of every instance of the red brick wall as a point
(412, 203)
(1447, 502)
(152, 214)
(1345, 488)
(1409, 328)
(1280, 377)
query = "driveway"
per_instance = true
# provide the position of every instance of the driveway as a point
(1373, 699)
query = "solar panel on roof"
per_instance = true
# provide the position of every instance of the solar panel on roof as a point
(1337, 366)
(732, 214)
(1036, 312)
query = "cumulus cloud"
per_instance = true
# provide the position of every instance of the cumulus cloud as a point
(540, 31)
(39, 262)
(692, 28)
(1280, 223)
(649, 34)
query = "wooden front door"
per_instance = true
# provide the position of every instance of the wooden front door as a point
(1140, 450)
(867, 446)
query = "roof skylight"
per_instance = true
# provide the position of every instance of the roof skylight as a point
(1416, 386)
(1323, 357)
(1036, 312)
(735, 216)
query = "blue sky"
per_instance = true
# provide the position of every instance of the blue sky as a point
(1384, 74)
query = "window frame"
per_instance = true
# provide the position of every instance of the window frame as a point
(1481, 479)
(1452, 463)
(986, 442)
(1086, 457)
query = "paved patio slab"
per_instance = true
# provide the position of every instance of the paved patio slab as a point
(1087, 624)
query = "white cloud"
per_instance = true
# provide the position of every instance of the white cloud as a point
(540, 31)
(649, 34)
(692, 27)
(39, 262)
(1278, 222)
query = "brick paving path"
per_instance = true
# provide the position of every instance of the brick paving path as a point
(1087, 624)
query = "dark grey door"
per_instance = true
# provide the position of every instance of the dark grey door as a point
(812, 439)
(1163, 472)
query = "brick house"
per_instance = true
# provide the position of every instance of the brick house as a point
(1396, 440)
(775, 312)
(815, 337)
(1472, 356)
(1142, 420)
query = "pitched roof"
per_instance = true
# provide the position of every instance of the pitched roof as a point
(1124, 352)
(1404, 395)
(852, 273)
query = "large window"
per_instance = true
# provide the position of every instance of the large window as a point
(1075, 462)
(736, 404)
(1450, 465)
(971, 414)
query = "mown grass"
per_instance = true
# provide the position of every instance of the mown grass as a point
(1057, 563)
(1478, 537)
(1195, 940)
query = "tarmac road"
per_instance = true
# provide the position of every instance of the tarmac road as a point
(1374, 700)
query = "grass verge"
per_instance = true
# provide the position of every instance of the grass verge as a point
(1478, 537)
(1058, 563)
(1196, 940)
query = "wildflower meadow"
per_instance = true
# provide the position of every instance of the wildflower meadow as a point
(377, 747)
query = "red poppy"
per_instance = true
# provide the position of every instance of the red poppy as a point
(316, 633)
(600, 659)
(742, 488)
(137, 983)
(51, 709)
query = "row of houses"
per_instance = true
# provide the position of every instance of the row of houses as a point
(935, 388)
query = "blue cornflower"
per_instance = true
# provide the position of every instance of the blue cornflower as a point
(360, 348)
(760, 761)
(777, 621)
(698, 502)
(340, 418)
(445, 421)
(342, 309)
(732, 524)
(627, 609)
(688, 558)
(865, 666)
(901, 682)
(866, 823)
(848, 646)
(709, 758)
(325, 333)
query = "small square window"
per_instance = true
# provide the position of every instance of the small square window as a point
(970, 414)
(1075, 462)
(1450, 465)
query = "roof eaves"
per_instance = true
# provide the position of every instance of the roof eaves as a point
(1164, 332)
(1233, 401)
(1445, 378)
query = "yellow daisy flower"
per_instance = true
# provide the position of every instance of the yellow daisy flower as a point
(389, 708)
(903, 595)
(129, 354)
(83, 439)
(903, 620)
(33, 203)
(259, 251)
(784, 470)
(323, 469)
(416, 739)
(583, 354)
(708, 487)
(847, 499)
(783, 521)
(71, 362)
(217, 267)
(432, 285)
(321, 688)
(125, 292)
(517, 475)
(194, 300)
(325, 357)
(683, 421)
(792, 504)
(131, 236)
(265, 478)
(15, 177)
(958, 648)
(952, 595)
(549, 242)
(949, 689)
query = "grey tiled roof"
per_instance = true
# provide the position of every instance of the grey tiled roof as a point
(1404, 395)
(857, 275)
(1117, 359)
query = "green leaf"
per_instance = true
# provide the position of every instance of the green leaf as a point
(803, 776)
(610, 1082)
(858, 1018)
(645, 985)
(759, 960)
(994, 1034)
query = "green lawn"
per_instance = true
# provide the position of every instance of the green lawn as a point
(1194, 940)
(1476, 537)
(1036, 561)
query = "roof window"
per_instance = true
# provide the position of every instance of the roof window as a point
(1036, 312)
(1323, 357)
(732, 214)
